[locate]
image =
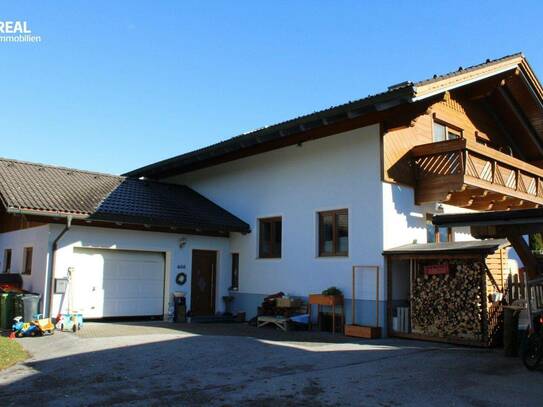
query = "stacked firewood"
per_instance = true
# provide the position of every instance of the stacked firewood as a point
(449, 305)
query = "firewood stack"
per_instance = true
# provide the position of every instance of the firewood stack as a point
(449, 305)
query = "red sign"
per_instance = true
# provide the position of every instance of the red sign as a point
(436, 269)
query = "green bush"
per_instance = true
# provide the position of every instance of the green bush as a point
(332, 291)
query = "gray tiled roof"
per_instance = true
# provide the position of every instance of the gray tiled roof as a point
(52, 191)
(399, 93)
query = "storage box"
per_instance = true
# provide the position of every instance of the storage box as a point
(361, 331)
(288, 302)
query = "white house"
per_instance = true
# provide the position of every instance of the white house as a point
(307, 199)
(118, 244)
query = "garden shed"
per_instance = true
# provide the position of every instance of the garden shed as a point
(448, 292)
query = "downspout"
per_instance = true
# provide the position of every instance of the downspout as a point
(50, 282)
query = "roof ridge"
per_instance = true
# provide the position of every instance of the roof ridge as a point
(461, 69)
(59, 167)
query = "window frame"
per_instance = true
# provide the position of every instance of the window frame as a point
(27, 260)
(276, 249)
(234, 277)
(6, 268)
(335, 239)
(449, 128)
(436, 231)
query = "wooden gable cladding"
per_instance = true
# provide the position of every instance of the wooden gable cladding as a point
(488, 168)
(10, 223)
(469, 116)
(496, 264)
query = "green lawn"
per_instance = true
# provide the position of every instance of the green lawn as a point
(11, 352)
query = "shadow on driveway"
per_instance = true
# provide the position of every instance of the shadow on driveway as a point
(203, 365)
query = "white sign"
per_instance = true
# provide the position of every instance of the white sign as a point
(17, 31)
(14, 27)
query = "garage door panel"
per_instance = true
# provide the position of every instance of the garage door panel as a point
(113, 283)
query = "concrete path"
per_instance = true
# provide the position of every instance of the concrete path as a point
(166, 364)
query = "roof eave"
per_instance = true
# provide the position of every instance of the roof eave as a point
(379, 102)
(88, 218)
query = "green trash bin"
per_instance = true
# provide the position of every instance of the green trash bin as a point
(11, 306)
(18, 310)
(7, 310)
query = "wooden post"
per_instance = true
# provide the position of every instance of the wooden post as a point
(502, 282)
(389, 295)
(334, 318)
(484, 310)
(353, 320)
(377, 302)
(525, 254)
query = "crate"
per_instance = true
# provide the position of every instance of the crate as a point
(288, 303)
(361, 331)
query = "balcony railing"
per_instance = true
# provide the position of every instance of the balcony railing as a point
(483, 175)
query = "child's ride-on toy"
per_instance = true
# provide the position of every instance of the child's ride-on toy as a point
(21, 328)
(44, 324)
(70, 322)
(39, 326)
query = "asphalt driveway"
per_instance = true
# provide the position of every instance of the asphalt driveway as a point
(167, 364)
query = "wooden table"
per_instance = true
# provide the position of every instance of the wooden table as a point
(333, 301)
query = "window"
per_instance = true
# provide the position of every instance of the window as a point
(27, 260)
(270, 238)
(444, 132)
(334, 233)
(235, 272)
(7, 261)
(436, 234)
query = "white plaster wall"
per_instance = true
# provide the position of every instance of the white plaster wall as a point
(341, 171)
(177, 259)
(404, 222)
(36, 238)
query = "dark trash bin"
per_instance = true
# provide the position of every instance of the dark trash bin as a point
(510, 331)
(10, 307)
(180, 309)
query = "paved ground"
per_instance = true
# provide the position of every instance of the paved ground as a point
(165, 364)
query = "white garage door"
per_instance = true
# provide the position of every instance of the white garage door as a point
(117, 283)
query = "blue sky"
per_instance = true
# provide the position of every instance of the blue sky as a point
(116, 85)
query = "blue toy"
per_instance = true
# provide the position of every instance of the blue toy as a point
(70, 322)
(21, 328)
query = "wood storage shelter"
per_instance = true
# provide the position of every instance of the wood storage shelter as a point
(447, 292)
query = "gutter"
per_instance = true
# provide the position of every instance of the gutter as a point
(49, 287)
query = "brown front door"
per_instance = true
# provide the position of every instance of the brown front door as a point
(203, 282)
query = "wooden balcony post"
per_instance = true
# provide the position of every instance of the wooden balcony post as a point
(494, 165)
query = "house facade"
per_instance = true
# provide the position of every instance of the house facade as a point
(296, 185)
(105, 245)
(322, 193)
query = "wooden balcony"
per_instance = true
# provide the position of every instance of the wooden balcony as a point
(467, 174)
